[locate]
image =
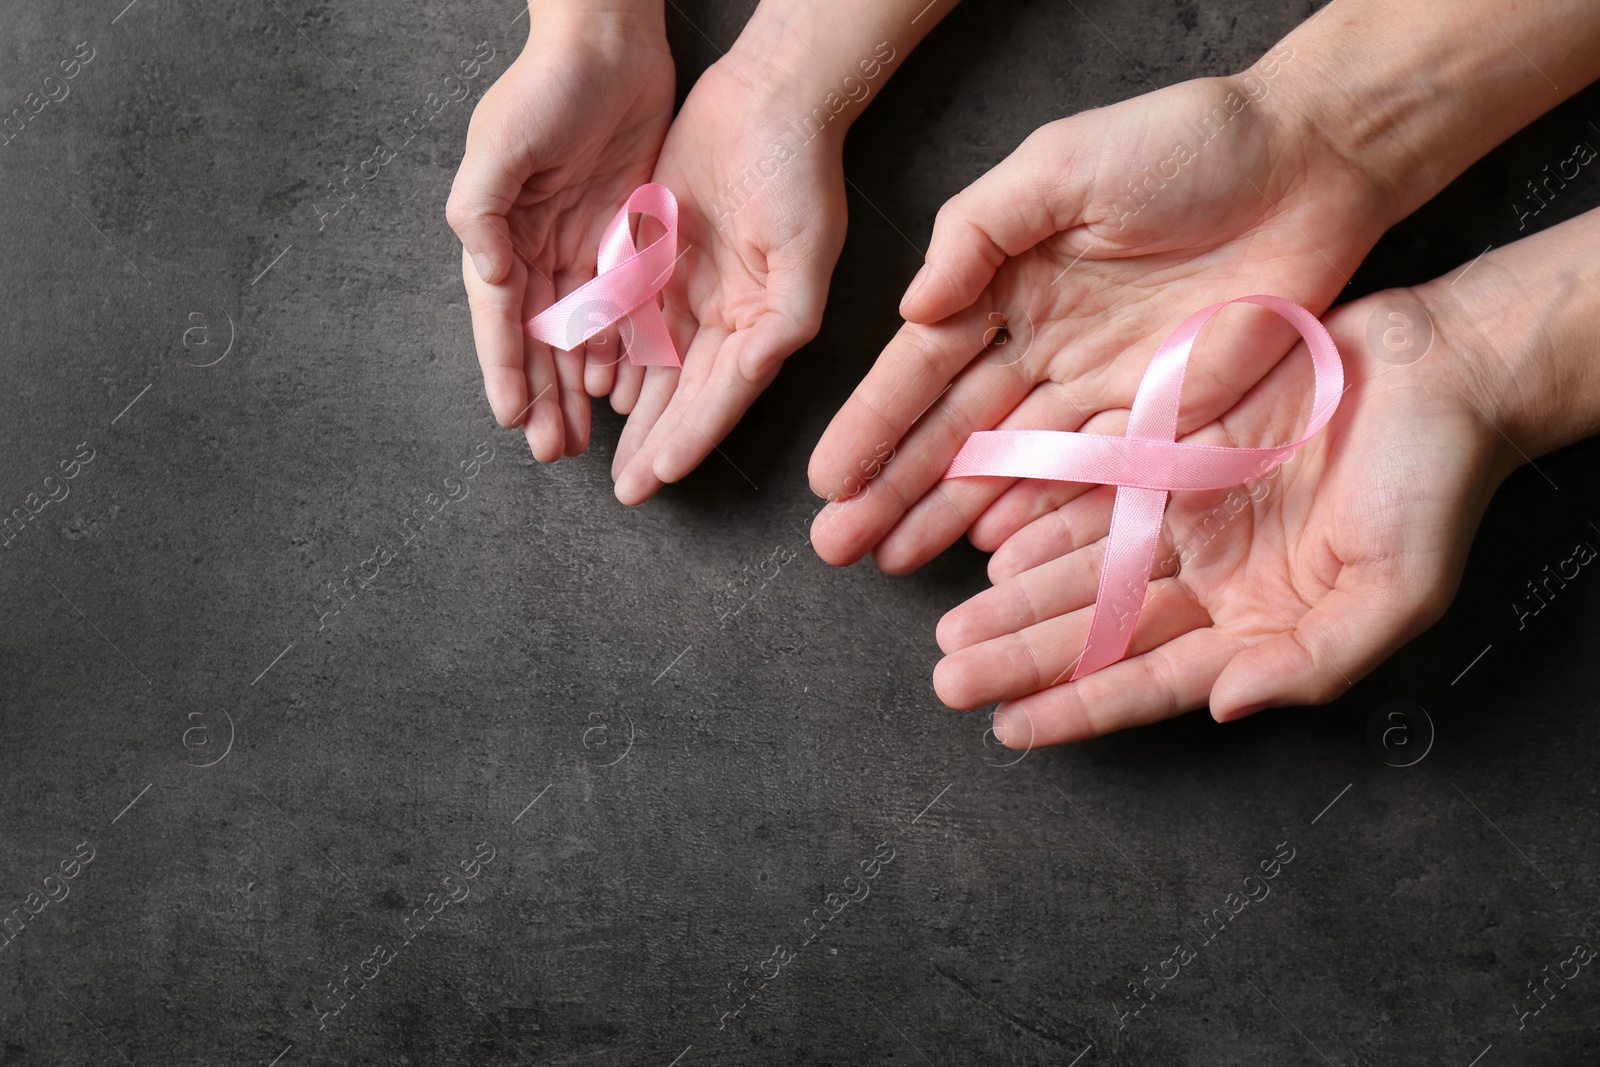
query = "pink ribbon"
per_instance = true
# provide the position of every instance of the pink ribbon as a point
(624, 288)
(1146, 465)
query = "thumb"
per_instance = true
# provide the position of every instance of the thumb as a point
(483, 192)
(1338, 642)
(1035, 193)
(795, 300)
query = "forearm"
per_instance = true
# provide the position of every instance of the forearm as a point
(825, 59)
(1411, 94)
(1525, 321)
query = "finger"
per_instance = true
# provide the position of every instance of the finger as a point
(1018, 507)
(574, 401)
(656, 386)
(543, 425)
(570, 376)
(497, 335)
(601, 355)
(951, 505)
(901, 400)
(1028, 500)
(1036, 192)
(1062, 583)
(1080, 521)
(1054, 588)
(485, 188)
(914, 369)
(1167, 680)
(712, 401)
(797, 291)
(1352, 629)
(717, 406)
(636, 484)
(625, 391)
(694, 426)
(1041, 656)
(651, 424)
(605, 363)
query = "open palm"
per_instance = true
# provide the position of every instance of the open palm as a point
(1282, 591)
(761, 223)
(1050, 283)
(555, 147)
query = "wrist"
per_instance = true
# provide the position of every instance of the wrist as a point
(1325, 174)
(1335, 127)
(1474, 364)
(1396, 93)
(786, 64)
(611, 25)
(1517, 333)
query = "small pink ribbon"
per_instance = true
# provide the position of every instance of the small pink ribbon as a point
(624, 288)
(1146, 465)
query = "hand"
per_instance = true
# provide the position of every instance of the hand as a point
(554, 148)
(761, 211)
(1282, 591)
(1087, 278)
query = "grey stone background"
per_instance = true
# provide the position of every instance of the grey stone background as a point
(667, 800)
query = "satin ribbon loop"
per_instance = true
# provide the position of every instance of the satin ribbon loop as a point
(1147, 465)
(623, 289)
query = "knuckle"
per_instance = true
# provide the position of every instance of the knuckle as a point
(1026, 661)
(458, 212)
(950, 214)
(762, 366)
(487, 303)
(1325, 688)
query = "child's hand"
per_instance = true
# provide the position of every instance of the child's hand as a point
(555, 147)
(1282, 591)
(1087, 279)
(761, 211)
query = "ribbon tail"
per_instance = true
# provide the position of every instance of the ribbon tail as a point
(1130, 553)
(649, 344)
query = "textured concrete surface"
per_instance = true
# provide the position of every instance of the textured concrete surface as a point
(533, 727)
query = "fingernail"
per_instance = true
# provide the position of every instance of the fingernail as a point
(1001, 725)
(635, 485)
(1243, 713)
(480, 260)
(916, 283)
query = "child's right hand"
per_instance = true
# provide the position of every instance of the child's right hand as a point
(554, 148)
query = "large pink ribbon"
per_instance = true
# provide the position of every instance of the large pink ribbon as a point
(624, 288)
(1146, 465)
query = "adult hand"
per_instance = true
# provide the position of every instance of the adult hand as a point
(761, 216)
(1088, 244)
(1285, 590)
(554, 148)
